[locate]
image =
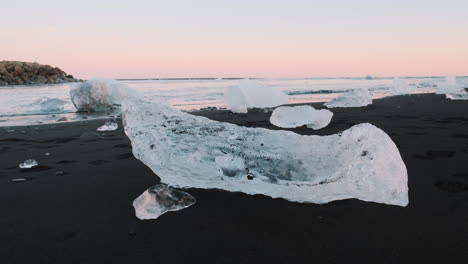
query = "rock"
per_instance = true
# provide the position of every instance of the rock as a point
(24, 73)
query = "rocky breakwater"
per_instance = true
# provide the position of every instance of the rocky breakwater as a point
(21, 73)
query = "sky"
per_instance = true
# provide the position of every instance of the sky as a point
(241, 38)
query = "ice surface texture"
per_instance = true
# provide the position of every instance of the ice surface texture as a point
(401, 87)
(250, 94)
(108, 126)
(99, 95)
(160, 199)
(354, 98)
(27, 164)
(191, 151)
(296, 116)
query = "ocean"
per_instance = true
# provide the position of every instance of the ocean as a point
(19, 104)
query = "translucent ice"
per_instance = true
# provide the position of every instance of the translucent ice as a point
(108, 126)
(251, 94)
(296, 116)
(450, 86)
(354, 98)
(160, 199)
(400, 87)
(27, 164)
(47, 105)
(191, 151)
(99, 95)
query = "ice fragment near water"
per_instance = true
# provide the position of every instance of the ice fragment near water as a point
(108, 126)
(191, 151)
(99, 95)
(27, 164)
(451, 89)
(160, 199)
(401, 87)
(296, 116)
(354, 98)
(250, 94)
(47, 105)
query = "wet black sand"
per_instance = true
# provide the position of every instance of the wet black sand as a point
(85, 215)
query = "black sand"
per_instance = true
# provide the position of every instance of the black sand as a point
(85, 215)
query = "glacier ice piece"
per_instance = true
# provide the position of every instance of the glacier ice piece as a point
(250, 94)
(190, 151)
(47, 105)
(99, 95)
(108, 126)
(353, 98)
(457, 96)
(400, 87)
(450, 86)
(160, 199)
(27, 164)
(296, 116)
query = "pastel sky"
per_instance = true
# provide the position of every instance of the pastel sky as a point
(238, 38)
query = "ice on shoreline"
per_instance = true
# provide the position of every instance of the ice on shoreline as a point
(160, 199)
(354, 98)
(108, 126)
(401, 87)
(191, 151)
(27, 164)
(452, 89)
(296, 116)
(250, 94)
(100, 95)
(47, 105)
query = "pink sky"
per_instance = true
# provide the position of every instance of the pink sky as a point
(280, 43)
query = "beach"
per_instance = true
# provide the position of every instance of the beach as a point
(76, 206)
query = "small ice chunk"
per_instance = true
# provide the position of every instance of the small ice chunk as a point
(457, 96)
(250, 94)
(369, 77)
(27, 164)
(19, 180)
(401, 87)
(160, 199)
(99, 95)
(353, 98)
(47, 105)
(108, 126)
(296, 116)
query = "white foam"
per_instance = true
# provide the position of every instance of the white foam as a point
(354, 98)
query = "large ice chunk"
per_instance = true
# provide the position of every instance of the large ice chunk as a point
(250, 94)
(296, 116)
(354, 98)
(401, 87)
(191, 151)
(452, 89)
(160, 199)
(100, 95)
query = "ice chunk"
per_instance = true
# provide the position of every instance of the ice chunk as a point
(296, 116)
(353, 98)
(251, 94)
(160, 199)
(99, 95)
(108, 126)
(47, 105)
(450, 86)
(27, 164)
(190, 151)
(369, 77)
(451, 89)
(400, 87)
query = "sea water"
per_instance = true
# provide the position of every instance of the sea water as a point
(18, 104)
